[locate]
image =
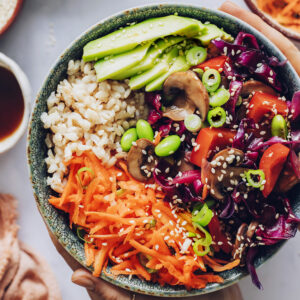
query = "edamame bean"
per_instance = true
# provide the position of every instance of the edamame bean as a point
(216, 117)
(211, 79)
(144, 130)
(196, 55)
(219, 98)
(168, 145)
(128, 138)
(192, 123)
(279, 127)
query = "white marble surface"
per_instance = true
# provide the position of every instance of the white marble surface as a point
(41, 32)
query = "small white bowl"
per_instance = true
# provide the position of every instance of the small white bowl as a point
(22, 79)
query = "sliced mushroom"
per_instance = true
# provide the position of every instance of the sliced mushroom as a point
(243, 240)
(251, 86)
(179, 109)
(225, 172)
(239, 245)
(141, 160)
(187, 93)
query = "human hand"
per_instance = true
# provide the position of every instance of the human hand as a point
(284, 44)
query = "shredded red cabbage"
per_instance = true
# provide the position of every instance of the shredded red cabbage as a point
(266, 74)
(258, 143)
(180, 186)
(285, 227)
(295, 163)
(154, 116)
(165, 127)
(187, 177)
(228, 210)
(246, 39)
(235, 89)
(241, 140)
(247, 57)
(198, 186)
(153, 100)
(295, 106)
(252, 252)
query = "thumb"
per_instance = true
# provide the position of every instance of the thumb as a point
(97, 288)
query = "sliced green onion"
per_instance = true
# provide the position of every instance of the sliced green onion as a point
(200, 252)
(204, 216)
(219, 98)
(199, 72)
(216, 117)
(204, 242)
(151, 224)
(85, 169)
(255, 178)
(192, 123)
(207, 239)
(198, 206)
(81, 233)
(191, 234)
(196, 55)
(211, 79)
(144, 259)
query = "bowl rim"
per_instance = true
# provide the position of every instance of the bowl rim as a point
(173, 293)
(272, 22)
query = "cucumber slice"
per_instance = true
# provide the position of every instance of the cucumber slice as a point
(149, 60)
(180, 64)
(128, 38)
(107, 68)
(141, 80)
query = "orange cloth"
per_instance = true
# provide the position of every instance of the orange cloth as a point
(24, 275)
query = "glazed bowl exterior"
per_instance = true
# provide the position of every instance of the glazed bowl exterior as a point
(57, 221)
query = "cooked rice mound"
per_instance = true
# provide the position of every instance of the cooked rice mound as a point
(86, 115)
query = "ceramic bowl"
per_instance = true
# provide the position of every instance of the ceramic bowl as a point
(37, 151)
(12, 66)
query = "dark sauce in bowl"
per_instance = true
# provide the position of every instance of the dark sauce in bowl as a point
(11, 104)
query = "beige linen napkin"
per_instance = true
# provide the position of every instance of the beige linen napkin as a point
(24, 275)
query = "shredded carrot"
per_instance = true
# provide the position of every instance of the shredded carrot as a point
(117, 213)
(157, 138)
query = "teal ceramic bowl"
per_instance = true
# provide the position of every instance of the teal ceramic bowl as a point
(56, 221)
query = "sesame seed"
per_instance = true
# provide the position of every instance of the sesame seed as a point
(259, 238)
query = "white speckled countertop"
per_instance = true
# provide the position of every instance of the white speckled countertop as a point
(41, 32)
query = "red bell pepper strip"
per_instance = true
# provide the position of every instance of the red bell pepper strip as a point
(213, 63)
(272, 163)
(215, 230)
(262, 104)
(208, 139)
